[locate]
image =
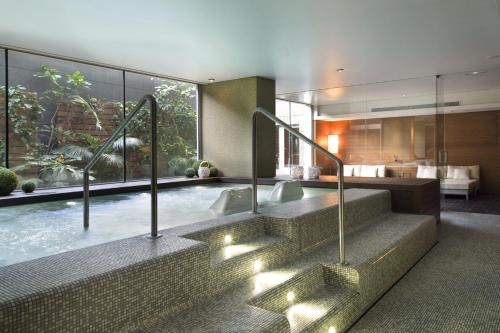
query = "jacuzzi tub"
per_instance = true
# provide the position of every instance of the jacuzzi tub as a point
(36, 230)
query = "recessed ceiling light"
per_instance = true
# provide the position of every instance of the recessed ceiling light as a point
(211, 80)
(340, 70)
(404, 95)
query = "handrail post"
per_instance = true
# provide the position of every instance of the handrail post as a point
(154, 163)
(340, 196)
(254, 163)
(154, 173)
(340, 177)
(86, 197)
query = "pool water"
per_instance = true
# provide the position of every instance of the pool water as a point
(37, 230)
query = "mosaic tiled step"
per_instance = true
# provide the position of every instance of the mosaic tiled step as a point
(318, 307)
(221, 316)
(305, 299)
(252, 248)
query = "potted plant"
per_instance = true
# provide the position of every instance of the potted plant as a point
(204, 170)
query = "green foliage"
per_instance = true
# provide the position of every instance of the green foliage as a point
(205, 164)
(8, 181)
(28, 186)
(190, 173)
(56, 158)
(196, 165)
(214, 172)
(59, 154)
(178, 165)
(176, 121)
(55, 169)
(62, 88)
(25, 113)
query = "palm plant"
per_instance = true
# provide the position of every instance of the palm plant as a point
(85, 153)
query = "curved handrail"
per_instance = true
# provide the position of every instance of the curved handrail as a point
(154, 163)
(338, 161)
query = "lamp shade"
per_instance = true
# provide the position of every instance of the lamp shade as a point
(333, 143)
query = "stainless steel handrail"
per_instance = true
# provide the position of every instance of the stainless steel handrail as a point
(340, 166)
(154, 163)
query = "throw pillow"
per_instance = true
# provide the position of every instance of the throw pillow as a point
(461, 173)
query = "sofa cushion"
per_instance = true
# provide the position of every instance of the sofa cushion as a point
(473, 171)
(380, 170)
(369, 171)
(349, 170)
(352, 169)
(461, 173)
(426, 172)
(459, 184)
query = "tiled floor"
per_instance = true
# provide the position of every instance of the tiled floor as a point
(454, 288)
(484, 204)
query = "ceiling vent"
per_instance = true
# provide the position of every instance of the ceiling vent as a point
(416, 107)
(365, 127)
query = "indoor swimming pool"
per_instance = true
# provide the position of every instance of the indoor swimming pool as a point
(36, 230)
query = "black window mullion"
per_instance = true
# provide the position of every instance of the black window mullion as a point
(6, 112)
(124, 132)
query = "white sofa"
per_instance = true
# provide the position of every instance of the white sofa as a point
(459, 180)
(363, 170)
(466, 184)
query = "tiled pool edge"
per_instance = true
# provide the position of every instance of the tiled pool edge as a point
(133, 282)
(414, 196)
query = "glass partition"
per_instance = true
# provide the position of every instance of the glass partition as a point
(389, 123)
(290, 150)
(470, 121)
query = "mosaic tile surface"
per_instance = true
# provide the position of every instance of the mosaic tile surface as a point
(313, 277)
(193, 280)
(454, 288)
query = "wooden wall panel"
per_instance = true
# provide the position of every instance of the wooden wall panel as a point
(469, 138)
(471, 129)
(473, 138)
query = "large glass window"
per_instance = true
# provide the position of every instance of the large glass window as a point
(290, 150)
(177, 126)
(60, 113)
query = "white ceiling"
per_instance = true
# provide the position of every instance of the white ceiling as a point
(299, 43)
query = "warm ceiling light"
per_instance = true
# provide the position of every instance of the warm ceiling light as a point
(290, 296)
(228, 239)
(404, 95)
(333, 143)
(340, 70)
(211, 80)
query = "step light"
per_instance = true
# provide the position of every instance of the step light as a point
(257, 266)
